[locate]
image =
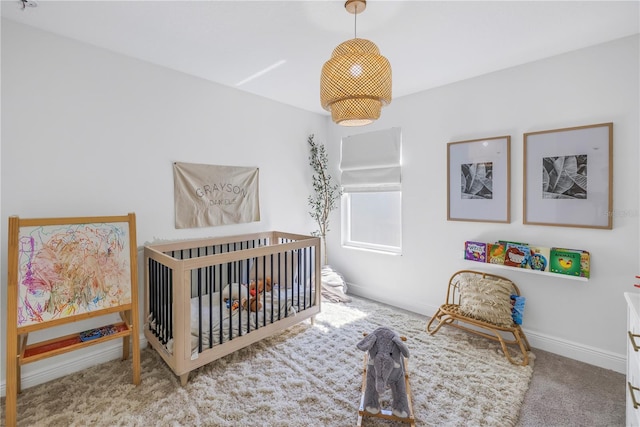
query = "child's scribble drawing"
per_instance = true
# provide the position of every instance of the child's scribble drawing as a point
(65, 270)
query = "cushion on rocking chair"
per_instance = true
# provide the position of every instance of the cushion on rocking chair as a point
(488, 300)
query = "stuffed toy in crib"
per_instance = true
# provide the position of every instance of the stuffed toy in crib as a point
(235, 304)
(385, 370)
(256, 289)
(240, 294)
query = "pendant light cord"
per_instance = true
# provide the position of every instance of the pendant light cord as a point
(355, 22)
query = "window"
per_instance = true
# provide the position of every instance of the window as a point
(372, 200)
(372, 220)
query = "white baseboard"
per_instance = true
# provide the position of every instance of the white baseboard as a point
(583, 353)
(72, 362)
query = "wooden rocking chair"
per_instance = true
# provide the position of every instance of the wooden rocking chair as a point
(451, 314)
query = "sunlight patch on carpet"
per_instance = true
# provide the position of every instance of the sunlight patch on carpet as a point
(335, 316)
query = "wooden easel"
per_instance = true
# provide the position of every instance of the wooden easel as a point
(386, 414)
(34, 241)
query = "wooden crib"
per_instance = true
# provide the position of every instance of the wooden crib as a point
(199, 302)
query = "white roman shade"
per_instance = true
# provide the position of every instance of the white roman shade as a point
(371, 161)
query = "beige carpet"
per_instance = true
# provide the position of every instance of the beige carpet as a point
(306, 376)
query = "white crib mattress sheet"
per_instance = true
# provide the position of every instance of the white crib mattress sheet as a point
(233, 322)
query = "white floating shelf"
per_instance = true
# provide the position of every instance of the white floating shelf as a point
(525, 270)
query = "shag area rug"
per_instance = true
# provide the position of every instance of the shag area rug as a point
(309, 375)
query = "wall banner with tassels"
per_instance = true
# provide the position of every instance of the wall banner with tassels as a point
(210, 195)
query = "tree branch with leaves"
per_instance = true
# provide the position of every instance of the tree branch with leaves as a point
(326, 194)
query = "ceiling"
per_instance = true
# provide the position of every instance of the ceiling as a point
(276, 49)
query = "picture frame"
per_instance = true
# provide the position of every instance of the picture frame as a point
(568, 177)
(479, 180)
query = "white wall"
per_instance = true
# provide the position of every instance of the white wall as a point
(89, 132)
(584, 320)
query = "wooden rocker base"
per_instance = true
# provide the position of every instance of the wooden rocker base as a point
(450, 315)
(385, 414)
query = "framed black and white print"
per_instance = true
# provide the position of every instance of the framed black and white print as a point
(568, 176)
(479, 180)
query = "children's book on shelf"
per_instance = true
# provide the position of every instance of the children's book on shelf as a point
(475, 251)
(539, 258)
(516, 254)
(495, 253)
(506, 242)
(572, 262)
(585, 264)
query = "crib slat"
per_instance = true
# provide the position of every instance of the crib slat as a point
(199, 286)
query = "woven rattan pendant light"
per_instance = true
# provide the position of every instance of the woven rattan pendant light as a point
(356, 82)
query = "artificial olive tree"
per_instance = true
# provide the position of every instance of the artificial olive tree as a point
(326, 194)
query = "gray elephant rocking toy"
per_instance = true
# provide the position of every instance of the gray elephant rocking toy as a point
(385, 368)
